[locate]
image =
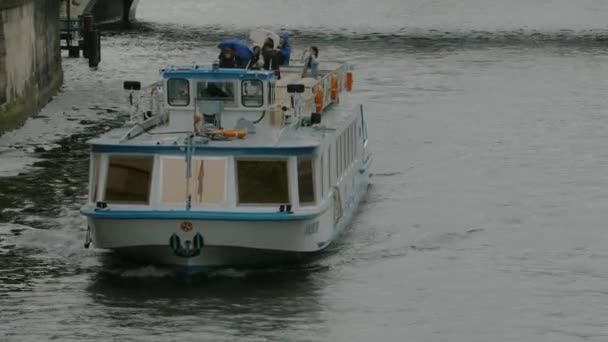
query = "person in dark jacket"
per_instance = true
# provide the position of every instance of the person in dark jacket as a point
(272, 58)
(256, 63)
(228, 59)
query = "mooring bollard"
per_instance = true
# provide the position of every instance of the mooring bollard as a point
(92, 41)
(89, 38)
(94, 47)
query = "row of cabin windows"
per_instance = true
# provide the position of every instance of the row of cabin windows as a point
(252, 92)
(346, 149)
(345, 152)
(258, 181)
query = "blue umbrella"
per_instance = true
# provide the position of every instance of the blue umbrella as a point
(241, 48)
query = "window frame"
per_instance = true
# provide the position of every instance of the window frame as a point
(311, 160)
(322, 165)
(95, 172)
(288, 172)
(229, 104)
(105, 172)
(161, 182)
(169, 102)
(243, 93)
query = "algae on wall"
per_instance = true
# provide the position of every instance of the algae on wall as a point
(30, 58)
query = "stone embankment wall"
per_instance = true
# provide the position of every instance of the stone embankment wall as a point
(30, 58)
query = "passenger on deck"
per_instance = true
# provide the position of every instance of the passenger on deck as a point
(227, 59)
(256, 63)
(272, 57)
(310, 58)
(284, 49)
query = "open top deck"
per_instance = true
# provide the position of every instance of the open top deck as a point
(207, 102)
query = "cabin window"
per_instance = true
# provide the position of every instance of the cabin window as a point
(337, 158)
(350, 145)
(306, 186)
(344, 152)
(207, 181)
(179, 92)
(353, 136)
(322, 162)
(252, 93)
(341, 155)
(346, 148)
(128, 180)
(329, 180)
(216, 91)
(262, 181)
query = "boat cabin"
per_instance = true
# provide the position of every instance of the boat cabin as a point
(280, 163)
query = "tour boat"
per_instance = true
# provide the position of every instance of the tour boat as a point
(230, 168)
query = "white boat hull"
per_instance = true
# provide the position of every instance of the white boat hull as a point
(211, 244)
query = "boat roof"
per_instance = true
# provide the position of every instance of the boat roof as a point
(292, 140)
(289, 139)
(208, 71)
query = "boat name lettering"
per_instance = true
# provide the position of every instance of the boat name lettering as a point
(312, 228)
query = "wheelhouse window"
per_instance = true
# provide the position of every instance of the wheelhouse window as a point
(262, 182)
(178, 92)
(217, 91)
(207, 181)
(306, 186)
(252, 93)
(128, 180)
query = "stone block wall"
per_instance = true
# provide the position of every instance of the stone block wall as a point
(30, 58)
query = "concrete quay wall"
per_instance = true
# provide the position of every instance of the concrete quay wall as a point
(30, 58)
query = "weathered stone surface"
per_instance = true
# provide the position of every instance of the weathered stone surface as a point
(30, 58)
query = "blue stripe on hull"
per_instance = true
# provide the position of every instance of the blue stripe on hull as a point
(195, 215)
(205, 150)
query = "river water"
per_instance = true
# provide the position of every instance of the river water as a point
(486, 220)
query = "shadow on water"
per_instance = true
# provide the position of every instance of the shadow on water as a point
(232, 301)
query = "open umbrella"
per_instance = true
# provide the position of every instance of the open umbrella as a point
(241, 48)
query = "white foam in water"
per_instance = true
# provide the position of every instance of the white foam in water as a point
(230, 273)
(14, 162)
(146, 272)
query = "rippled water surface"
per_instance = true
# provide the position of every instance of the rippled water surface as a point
(486, 220)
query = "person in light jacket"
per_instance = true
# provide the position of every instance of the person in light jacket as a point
(310, 58)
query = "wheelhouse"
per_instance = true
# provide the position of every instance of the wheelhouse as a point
(220, 96)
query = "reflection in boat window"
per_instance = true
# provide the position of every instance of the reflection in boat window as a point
(305, 181)
(216, 91)
(179, 92)
(262, 182)
(253, 93)
(93, 177)
(128, 180)
(206, 185)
